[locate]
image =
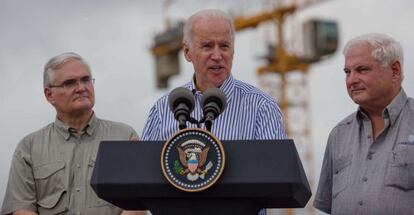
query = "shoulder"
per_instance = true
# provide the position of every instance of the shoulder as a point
(115, 125)
(161, 104)
(114, 130)
(411, 104)
(164, 98)
(40, 133)
(37, 137)
(344, 125)
(350, 119)
(251, 92)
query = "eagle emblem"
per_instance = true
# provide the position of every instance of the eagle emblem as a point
(193, 156)
(192, 160)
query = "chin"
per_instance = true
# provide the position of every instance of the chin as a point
(84, 106)
(358, 101)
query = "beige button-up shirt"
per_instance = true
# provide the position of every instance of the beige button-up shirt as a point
(362, 175)
(51, 169)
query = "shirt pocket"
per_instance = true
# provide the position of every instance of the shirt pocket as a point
(95, 204)
(50, 187)
(340, 174)
(400, 172)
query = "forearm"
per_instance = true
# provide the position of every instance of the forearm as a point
(134, 212)
(24, 212)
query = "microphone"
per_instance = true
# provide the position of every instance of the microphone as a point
(214, 102)
(181, 102)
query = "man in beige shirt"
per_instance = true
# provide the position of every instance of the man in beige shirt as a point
(51, 168)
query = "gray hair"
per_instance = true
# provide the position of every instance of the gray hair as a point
(206, 14)
(56, 62)
(385, 49)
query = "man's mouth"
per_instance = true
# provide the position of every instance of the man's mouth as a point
(81, 97)
(216, 68)
(357, 90)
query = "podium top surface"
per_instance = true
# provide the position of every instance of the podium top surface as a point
(266, 170)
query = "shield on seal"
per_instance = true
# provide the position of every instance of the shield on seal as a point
(192, 163)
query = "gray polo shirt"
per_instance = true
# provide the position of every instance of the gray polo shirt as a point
(362, 175)
(51, 169)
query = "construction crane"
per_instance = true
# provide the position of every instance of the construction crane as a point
(290, 72)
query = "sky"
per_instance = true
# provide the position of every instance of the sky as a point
(115, 38)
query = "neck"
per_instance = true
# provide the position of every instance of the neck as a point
(378, 106)
(375, 114)
(377, 123)
(78, 121)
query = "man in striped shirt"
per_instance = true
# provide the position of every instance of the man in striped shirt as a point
(208, 43)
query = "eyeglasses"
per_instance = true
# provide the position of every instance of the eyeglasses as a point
(72, 83)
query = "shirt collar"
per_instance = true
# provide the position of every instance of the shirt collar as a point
(392, 111)
(92, 125)
(396, 106)
(227, 87)
(66, 131)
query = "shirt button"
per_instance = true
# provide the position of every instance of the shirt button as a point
(369, 156)
(77, 189)
(360, 203)
(78, 166)
(365, 179)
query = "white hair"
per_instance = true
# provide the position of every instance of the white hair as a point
(206, 14)
(385, 49)
(55, 63)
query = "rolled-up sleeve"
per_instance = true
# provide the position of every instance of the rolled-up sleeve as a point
(269, 123)
(21, 189)
(151, 128)
(323, 197)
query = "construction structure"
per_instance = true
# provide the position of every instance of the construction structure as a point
(285, 76)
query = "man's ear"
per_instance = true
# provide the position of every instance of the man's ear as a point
(49, 95)
(396, 70)
(186, 50)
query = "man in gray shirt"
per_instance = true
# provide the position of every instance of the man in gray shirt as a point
(51, 168)
(368, 166)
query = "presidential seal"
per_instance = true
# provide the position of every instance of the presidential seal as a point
(192, 160)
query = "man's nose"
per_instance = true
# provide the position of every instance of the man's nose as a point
(352, 77)
(80, 85)
(216, 55)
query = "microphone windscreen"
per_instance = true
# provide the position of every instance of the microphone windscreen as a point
(181, 95)
(214, 95)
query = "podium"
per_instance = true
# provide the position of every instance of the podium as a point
(258, 174)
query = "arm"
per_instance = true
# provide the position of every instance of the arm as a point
(323, 196)
(24, 212)
(133, 136)
(20, 195)
(134, 212)
(269, 122)
(151, 128)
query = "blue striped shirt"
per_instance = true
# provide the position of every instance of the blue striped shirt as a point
(250, 115)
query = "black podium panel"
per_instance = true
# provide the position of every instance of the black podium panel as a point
(258, 174)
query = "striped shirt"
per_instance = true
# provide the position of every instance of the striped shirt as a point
(250, 115)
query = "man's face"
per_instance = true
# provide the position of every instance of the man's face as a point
(368, 83)
(211, 52)
(73, 99)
